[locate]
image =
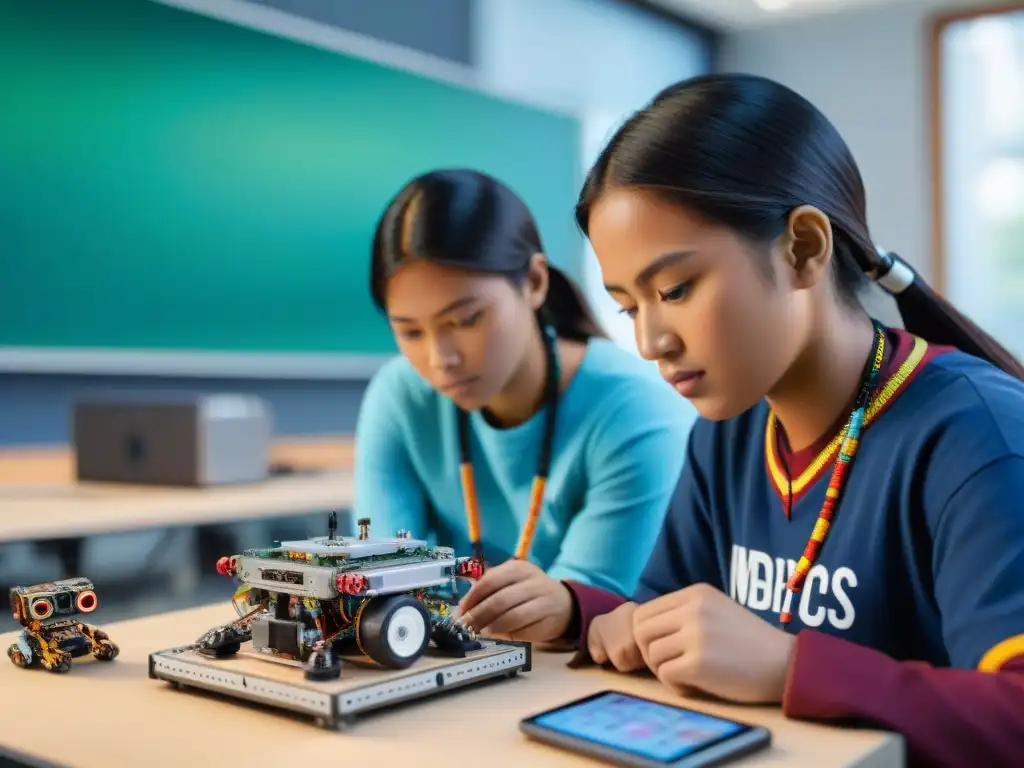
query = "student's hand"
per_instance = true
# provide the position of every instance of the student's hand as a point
(699, 638)
(610, 640)
(519, 601)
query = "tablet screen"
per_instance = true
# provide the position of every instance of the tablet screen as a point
(646, 728)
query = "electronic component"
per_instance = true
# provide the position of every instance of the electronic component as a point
(381, 606)
(632, 731)
(311, 601)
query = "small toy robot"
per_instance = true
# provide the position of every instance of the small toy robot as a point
(52, 634)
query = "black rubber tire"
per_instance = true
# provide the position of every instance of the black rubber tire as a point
(218, 644)
(17, 657)
(322, 674)
(63, 666)
(221, 651)
(107, 651)
(375, 624)
(322, 667)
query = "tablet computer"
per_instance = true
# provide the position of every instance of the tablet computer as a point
(632, 731)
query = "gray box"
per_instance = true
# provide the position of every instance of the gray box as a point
(201, 441)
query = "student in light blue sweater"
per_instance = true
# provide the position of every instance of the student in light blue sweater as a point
(507, 397)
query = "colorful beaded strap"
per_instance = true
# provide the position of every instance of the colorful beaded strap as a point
(850, 437)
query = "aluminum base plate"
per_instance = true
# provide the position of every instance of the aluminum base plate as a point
(362, 687)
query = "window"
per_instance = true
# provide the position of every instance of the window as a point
(979, 92)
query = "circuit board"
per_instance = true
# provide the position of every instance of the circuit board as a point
(362, 687)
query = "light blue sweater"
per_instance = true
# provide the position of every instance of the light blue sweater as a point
(617, 454)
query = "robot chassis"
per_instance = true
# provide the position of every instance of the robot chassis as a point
(312, 601)
(52, 634)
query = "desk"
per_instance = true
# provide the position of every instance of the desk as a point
(46, 512)
(55, 464)
(137, 721)
(39, 498)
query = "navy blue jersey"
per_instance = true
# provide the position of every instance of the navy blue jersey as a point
(925, 556)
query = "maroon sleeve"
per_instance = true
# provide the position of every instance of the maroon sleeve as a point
(588, 603)
(949, 717)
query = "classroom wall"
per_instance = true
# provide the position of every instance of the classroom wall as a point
(36, 408)
(867, 70)
(441, 28)
(603, 58)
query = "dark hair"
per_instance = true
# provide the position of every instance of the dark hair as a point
(744, 151)
(466, 219)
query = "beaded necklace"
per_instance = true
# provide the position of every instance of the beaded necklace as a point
(543, 462)
(850, 437)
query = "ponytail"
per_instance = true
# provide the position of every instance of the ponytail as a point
(567, 311)
(927, 314)
(924, 312)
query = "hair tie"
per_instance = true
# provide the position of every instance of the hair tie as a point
(892, 273)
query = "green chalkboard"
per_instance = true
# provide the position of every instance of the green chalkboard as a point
(172, 181)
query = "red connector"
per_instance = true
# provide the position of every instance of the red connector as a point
(350, 583)
(471, 568)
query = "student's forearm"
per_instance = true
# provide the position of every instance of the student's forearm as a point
(588, 603)
(951, 717)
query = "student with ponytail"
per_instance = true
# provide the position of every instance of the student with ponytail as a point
(847, 535)
(509, 426)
